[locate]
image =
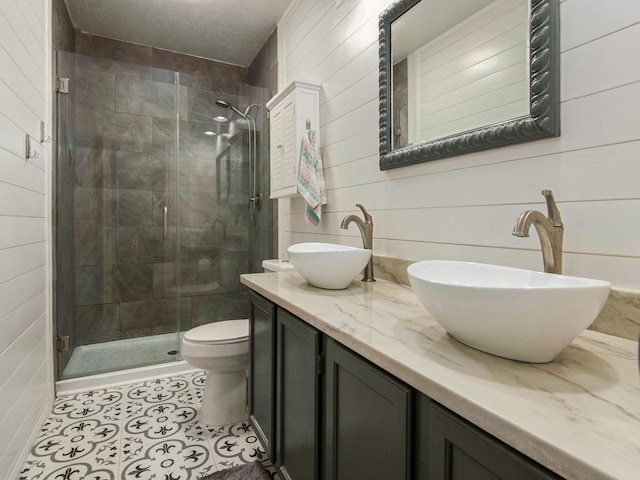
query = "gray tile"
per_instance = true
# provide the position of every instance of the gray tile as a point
(197, 209)
(140, 96)
(233, 263)
(93, 285)
(112, 131)
(164, 136)
(164, 75)
(164, 279)
(95, 168)
(200, 82)
(135, 207)
(97, 323)
(62, 28)
(94, 89)
(114, 49)
(131, 282)
(144, 171)
(102, 64)
(113, 283)
(95, 245)
(201, 105)
(64, 254)
(185, 63)
(94, 207)
(194, 143)
(213, 308)
(149, 314)
(144, 245)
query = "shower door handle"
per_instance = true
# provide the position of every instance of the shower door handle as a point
(165, 212)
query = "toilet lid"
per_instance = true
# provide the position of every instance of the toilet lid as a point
(227, 331)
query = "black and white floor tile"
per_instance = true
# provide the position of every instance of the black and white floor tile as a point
(147, 430)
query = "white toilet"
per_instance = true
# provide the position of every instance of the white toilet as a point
(222, 349)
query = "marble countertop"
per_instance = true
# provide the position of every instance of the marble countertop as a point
(578, 415)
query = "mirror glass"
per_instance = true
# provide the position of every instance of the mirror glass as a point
(458, 66)
(465, 75)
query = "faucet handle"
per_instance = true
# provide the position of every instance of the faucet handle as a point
(552, 210)
(367, 218)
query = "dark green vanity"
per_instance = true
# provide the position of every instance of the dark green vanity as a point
(323, 412)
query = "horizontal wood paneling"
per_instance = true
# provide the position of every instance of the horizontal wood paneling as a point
(18, 231)
(13, 324)
(26, 357)
(464, 207)
(19, 260)
(26, 412)
(18, 290)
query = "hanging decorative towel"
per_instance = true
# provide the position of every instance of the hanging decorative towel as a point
(311, 178)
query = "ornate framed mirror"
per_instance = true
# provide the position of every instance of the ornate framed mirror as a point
(464, 76)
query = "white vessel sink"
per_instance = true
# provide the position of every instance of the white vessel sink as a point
(513, 313)
(327, 265)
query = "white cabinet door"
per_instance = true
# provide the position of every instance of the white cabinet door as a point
(289, 111)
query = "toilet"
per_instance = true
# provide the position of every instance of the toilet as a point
(222, 349)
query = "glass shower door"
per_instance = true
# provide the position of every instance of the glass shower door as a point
(116, 248)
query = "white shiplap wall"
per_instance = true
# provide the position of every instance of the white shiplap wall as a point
(26, 358)
(465, 207)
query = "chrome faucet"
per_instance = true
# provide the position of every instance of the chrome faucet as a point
(366, 230)
(550, 230)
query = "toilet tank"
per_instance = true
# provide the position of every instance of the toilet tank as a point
(277, 265)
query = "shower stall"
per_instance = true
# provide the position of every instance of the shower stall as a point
(159, 209)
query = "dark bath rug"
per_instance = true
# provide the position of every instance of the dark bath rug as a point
(250, 471)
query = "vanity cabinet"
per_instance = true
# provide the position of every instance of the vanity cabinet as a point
(262, 368)
(298, 398)
(323, 412)
(450, 448)
(368, 416)
(289, 111)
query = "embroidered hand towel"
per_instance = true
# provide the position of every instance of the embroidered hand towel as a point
(311, 178)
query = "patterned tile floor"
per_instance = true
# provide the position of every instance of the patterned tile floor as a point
(147, 430)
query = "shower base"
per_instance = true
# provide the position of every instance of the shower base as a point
(122, 354)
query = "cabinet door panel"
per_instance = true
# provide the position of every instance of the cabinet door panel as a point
(367, 420)
(298, 398)
(276, 148)
(262, 373)
(461, 451)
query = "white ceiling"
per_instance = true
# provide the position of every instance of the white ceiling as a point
(230, 31)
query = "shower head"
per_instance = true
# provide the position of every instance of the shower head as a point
(225, 104)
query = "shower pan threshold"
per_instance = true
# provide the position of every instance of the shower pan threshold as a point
(121, 361)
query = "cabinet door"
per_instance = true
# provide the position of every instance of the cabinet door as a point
(298, 398)
(276, 147)
(291, 155)
(368, 418)
(461, 451)
(262, 373)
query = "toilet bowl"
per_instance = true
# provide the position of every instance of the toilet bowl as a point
(222, 349)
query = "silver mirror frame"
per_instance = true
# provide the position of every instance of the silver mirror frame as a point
(543, 120)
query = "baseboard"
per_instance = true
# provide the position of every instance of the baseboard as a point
(102, 380)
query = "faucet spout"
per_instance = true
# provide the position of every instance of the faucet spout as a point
(550, 231)
(366, 231)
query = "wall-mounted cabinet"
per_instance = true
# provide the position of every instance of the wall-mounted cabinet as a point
(289, 111)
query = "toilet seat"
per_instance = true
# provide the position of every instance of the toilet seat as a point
(216, 333)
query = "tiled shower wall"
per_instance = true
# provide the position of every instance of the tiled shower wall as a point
(263, 72)
(125, 172)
